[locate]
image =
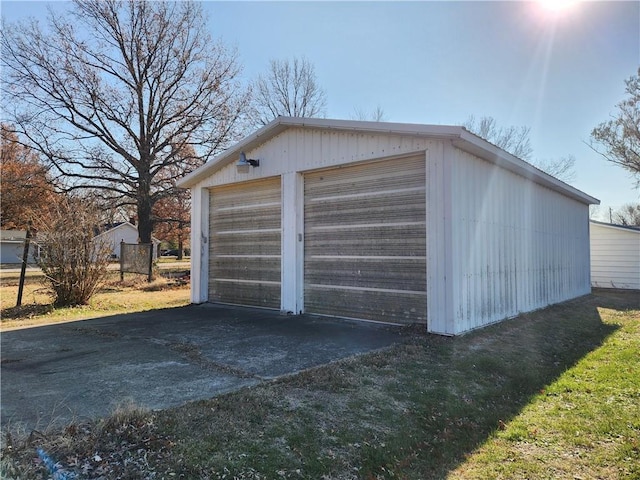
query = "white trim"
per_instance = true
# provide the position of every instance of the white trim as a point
(199, 243)
(291, 259)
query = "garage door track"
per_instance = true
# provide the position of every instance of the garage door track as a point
(73, 371)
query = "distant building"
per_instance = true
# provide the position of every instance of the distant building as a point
(615, 256)
(127, 232)
(12, 247)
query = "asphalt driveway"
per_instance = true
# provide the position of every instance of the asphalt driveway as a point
(158, 359)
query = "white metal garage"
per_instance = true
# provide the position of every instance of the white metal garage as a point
(388, 222)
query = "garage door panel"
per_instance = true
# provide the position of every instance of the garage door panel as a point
(242, 196)
(256, 294)
(256, 269)
(379, 240)
(394, 307)
(365, 241)
(245, 243)
(366, 273)
(362, 180)
(401, 208)
(248, 219)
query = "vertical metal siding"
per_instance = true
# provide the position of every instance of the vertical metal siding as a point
(244, 247)
(303, 149)
(517, 246)
(365, 241)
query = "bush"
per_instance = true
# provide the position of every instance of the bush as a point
(73, 262)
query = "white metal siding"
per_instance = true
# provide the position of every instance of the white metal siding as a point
(516, 246)
(244, 246)
(365, 250)
(615, 257)
(302, 149)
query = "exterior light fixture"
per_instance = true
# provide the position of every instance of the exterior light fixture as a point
(244, 163)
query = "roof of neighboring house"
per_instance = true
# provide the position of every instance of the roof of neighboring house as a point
(116, 226)
(633, 228)
(459, 136)
(13, 235)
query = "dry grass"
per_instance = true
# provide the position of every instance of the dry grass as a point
(552, 394)
(134, 294)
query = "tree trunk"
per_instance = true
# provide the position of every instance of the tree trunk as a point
(145, 222)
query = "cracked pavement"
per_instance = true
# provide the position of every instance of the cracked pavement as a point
(55, 374)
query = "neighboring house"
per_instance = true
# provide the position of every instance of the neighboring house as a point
(615, 256)
(388, 222)
(12, 247)
(127, 232)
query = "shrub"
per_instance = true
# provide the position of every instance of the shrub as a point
(73, 261)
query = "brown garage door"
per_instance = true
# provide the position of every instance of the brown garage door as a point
(244, 249)
(365, 245)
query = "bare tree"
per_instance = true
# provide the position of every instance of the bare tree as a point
(516, 140)
(115, 91)
(375, 115)
(628, 214)
(562, 168)
(618, 140)
(289, 88)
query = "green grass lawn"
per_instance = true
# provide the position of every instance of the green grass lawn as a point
(551, 394)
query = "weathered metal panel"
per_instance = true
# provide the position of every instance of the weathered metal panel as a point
(245, 243)
(615, 257)
(365, 246)
(517, 246)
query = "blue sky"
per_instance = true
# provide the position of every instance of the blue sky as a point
(439, 62)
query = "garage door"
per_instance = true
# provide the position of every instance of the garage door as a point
(365, 246)
(244, 248)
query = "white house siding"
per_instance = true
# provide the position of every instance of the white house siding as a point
(517, 246)
(615, 257)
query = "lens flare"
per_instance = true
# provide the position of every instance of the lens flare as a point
(557, 6)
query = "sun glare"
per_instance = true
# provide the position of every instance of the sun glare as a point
(557, 7)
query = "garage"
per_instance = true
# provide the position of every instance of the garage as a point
(364, 232)
(387, 222)
(245, 243)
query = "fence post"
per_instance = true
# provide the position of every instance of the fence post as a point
(150, 262)
(23, 267)
(122, 260)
